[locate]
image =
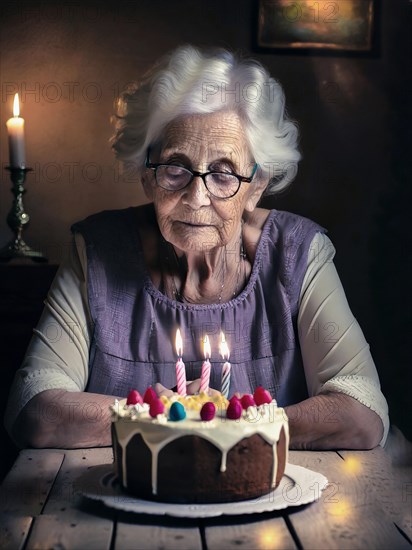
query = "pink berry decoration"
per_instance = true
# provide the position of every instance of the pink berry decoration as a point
(262, 396)
(234, 410)
(234, 398)
(208, 411)
(134, 398)
(247, 401)
(149, 395)
(156, 407)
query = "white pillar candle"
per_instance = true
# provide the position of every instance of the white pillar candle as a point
(15, 130)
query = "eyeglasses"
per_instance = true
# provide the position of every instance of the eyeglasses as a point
(174, 177)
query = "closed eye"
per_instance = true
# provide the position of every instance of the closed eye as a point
(174, 169)
(222, 177)
(221, 168)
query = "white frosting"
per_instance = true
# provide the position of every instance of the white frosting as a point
(266, 420)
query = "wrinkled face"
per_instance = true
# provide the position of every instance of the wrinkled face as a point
(191, 219)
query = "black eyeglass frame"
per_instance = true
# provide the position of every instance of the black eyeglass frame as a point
(155, 165)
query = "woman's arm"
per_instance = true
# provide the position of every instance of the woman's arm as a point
(346, 408)
(333, 421)
(63, 419)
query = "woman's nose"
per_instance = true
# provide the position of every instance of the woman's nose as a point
(196, 194)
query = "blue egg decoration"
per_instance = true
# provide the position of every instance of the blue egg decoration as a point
(177, 412)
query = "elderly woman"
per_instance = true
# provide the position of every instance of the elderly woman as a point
(209, 135)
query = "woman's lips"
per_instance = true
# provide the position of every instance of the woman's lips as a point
(195, 224)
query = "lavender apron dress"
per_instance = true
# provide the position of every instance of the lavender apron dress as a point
(133, 344)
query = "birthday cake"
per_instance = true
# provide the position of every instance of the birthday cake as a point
(198, 448)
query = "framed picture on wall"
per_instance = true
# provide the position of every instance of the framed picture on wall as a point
(320, 25)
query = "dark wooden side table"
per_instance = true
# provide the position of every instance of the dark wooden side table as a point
(23, 288)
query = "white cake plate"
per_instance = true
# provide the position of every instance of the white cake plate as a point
(298, 486)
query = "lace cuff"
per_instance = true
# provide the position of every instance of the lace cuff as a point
(364, 390)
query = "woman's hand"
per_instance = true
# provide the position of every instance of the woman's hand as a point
(192, 388)
(162, 390)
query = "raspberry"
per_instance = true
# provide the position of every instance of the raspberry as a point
(134, 398)
(262, 396)
(234, 410)
(149, 395)
(247, 401)
(156, 407)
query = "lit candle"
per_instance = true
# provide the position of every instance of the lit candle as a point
(224, 352)
(15, 129)
(206, 367)
(180, 366)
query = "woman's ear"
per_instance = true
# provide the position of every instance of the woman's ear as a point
(257, 188)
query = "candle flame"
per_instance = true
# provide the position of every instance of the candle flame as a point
(16, 105)
(223, 348)
(179, 343)
(206, 347)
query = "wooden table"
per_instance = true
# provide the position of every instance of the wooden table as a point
(366, 505)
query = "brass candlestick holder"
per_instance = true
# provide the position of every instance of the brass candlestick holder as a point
(17, 219)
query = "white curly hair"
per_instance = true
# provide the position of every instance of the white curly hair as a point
(193, 81)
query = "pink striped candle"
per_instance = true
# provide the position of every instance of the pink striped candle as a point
(206, 367)
(180, 366)
(224, 352)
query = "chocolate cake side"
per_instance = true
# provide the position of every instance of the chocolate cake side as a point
(183, 479)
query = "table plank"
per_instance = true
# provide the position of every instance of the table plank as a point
(65, 496)
(65, 522)
(152, 537)
(23, 495)
(25, 489)
(13, 531)
(391, 484)
(267, 534)
(67, 532)
(347, 514)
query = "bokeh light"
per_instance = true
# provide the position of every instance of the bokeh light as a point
(270, 538)
(352, 465)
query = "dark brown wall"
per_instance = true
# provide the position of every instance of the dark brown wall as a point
(351, 111)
